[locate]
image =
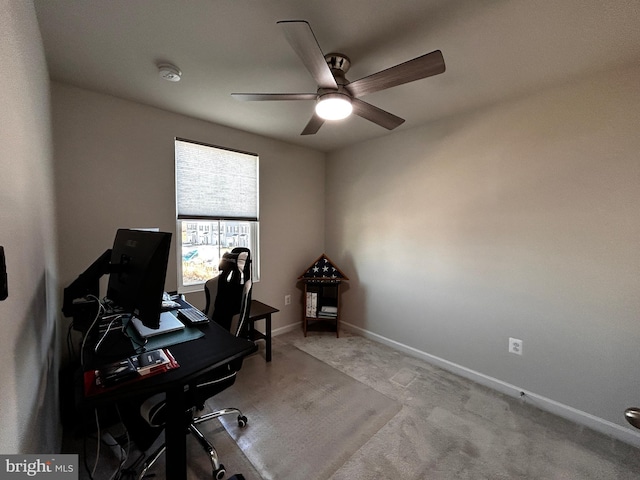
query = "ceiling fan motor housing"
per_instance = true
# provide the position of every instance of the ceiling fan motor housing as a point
(338, 61)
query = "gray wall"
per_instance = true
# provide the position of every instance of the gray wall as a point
(520, 220)
(115, 168)
(28, 345)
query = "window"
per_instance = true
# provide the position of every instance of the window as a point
(217, 209)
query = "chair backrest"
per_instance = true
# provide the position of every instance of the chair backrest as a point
(228, 295)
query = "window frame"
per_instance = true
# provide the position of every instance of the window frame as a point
(206, 224)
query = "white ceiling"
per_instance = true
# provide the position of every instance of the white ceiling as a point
(493, 50)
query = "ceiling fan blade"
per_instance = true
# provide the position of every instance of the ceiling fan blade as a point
(375, 114)
(249, 97)
(416, 69)
(313, 126)
(304, 43)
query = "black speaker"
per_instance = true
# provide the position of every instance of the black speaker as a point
(4, 289)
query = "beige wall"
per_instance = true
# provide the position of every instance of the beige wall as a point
(520, 220)
(114, 163)
(28, 346)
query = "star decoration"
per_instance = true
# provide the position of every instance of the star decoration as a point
(323, 269)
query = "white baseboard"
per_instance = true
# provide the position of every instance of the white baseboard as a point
(285, 329)
(582, 418)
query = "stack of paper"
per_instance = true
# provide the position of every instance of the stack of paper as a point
(328, 312)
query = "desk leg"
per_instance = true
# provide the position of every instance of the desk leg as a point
(268, 339)
(176, 436)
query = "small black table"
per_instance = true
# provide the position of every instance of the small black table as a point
(261, 311)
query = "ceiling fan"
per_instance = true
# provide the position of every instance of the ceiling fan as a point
(333, 88)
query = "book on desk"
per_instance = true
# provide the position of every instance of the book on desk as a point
(128, 370)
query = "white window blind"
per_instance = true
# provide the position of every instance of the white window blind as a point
(215, 183)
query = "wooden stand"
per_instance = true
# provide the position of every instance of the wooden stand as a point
(322, 295)
(321, 305)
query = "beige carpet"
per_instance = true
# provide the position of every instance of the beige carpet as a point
(305, 422)
(305, 418)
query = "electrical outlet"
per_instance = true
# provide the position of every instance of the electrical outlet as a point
(287, 299)
(515, 346)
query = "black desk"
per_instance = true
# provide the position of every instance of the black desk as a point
(197, 357)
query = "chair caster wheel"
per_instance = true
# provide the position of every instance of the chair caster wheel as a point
(219, 473)
(242, 421)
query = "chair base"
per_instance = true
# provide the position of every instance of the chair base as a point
(217, 468)
(242, 420)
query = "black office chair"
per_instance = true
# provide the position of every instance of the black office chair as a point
(224, 292)
(228, 302)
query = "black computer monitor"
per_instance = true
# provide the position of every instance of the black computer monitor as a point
(139, 266)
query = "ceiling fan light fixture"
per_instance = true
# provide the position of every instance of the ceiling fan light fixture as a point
(334, 106)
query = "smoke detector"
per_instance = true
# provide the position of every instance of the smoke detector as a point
(169, 72)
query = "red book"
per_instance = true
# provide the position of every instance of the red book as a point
(125, 372)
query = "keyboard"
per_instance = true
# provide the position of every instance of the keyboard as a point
(193, 316)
